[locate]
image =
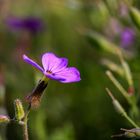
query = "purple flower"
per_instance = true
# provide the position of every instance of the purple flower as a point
(127, 37)
(32, 24)
(55, 68)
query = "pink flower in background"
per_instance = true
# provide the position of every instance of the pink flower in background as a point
(127, 37)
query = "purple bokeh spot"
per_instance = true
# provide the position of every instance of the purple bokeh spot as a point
(127, 37)
(31, 24)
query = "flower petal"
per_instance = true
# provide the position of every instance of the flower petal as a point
(53, 63)
(53, 77)
(68, 75)
(31, 62)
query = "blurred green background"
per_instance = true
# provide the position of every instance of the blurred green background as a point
(76, 111)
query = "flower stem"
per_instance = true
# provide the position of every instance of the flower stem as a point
(25, 131)
(131, 121)
(119, 86)
(25, 125)
(120, 109)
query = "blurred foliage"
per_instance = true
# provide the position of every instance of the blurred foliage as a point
(78, 111)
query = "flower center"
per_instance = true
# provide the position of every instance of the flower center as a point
(49, 72)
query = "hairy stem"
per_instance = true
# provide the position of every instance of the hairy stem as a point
(25, 125)
(25, 131)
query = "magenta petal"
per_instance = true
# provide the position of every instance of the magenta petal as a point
(67, 75)
(53, 77)
(53, 63)
(63, 62)
(31, 62)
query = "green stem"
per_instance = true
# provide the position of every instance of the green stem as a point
(131, 121)
(134, 111)
(120, 109)
(119, 86)
(25, 130)
(25, 125)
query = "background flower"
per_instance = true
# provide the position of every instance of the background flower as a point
(31, 24)
(127, 37)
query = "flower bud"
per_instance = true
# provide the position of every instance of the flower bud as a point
(35, 97)
(4, 119)
(19, 111)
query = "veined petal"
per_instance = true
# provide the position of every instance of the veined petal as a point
(53, 77)
(68, 75)
(33, 63)
(53, 63)
(63, 62)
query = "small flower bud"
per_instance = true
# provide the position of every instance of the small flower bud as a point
(35, 97)
(4, 119)
(19, 111)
